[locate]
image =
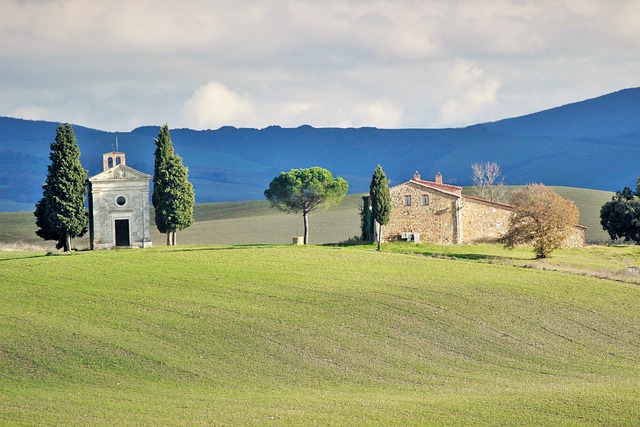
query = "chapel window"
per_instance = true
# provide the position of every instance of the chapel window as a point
(425, 199)
(407, 200)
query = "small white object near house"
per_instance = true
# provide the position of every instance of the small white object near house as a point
(410, 236)
(633, 270)
(119, 205)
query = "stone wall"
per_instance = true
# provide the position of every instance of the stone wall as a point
(435, 222)
(576, 237)
(479, 220)
(483, 221)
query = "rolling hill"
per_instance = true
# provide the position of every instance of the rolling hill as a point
(312, 336)
(590, 144)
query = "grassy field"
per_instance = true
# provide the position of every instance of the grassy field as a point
(287, 335)
(607, 262)
(254, 222)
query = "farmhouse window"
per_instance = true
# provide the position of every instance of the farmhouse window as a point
(407, 200)
(425, 199)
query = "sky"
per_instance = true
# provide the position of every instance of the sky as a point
(116, 65)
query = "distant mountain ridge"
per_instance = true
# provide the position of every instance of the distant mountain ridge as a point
(616, 114)
(589, 144)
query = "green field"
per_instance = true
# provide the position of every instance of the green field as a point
(294, 335)
(254, 222)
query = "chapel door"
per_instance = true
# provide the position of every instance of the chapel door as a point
(122, 232)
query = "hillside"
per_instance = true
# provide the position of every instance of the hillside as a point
(254, 222)
(589, 144)
(612, 115)
(310, 336)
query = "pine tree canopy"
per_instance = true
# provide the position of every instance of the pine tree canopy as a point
(303, 190)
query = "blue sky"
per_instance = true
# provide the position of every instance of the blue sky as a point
(117, 65)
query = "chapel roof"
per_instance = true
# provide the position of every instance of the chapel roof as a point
(120, 172)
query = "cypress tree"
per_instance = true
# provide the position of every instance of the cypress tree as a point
(380, 200)
(173, 195)
(164, 150)
(366, 220)
(60, 214)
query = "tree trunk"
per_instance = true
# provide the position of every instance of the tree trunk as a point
(174, 238)
(379, 235)
(305, 215)
(67, 241)
(168, 238)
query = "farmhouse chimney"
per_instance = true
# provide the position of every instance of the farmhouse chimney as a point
(113, 159)
(438, 178)
(416, 176)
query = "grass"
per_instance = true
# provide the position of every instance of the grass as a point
(254, 222)
(285, 335)
(18, 227)
(610, 262)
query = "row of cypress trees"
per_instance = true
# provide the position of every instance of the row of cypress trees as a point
(61, 214)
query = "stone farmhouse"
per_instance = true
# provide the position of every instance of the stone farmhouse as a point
(118, 205)
(434, 212)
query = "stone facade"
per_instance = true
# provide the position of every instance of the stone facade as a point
(576, 238)
(119, 206)
(433, 218)
(484, 221)
(433, 212)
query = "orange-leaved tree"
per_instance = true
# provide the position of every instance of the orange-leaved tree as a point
(542, 218)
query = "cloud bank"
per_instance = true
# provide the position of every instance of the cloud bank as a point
(343, 63)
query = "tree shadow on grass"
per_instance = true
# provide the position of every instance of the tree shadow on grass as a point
(25, 257)
(217, 248)
(473, 257)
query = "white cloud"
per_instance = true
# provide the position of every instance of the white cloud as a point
(32, 112)
(474, 93)
(214, 105)
(382, 113)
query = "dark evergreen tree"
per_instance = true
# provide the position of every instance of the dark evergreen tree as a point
(366, 220)
(60, 214)
(621, 216)
(175, 202)
(164, 151)
(173, 196)
(380, 200)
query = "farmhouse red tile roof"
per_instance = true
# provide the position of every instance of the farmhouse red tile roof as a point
(489, 202)
(443, 187)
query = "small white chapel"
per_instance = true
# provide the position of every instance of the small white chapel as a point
(119, 214)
